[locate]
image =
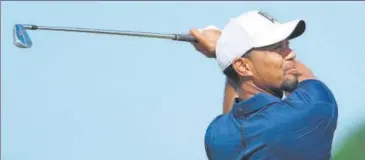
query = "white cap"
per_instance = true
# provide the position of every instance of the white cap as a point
(253, 29)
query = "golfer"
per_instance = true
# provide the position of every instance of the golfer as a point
(253, 52)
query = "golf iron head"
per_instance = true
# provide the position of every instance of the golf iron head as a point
(20, 37)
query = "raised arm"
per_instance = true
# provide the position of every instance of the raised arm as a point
(305, 72)
(310, 90)
(207, 39)
(229, 95)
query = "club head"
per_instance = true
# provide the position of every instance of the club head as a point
(21, 37)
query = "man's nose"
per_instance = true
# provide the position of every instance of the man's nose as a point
(288, 53)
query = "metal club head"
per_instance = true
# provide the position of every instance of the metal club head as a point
(21, 37)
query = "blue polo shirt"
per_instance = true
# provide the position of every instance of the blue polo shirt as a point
(264, 127)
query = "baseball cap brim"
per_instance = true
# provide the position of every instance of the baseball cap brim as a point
(289, 30)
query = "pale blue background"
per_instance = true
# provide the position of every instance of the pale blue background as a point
(78, 96)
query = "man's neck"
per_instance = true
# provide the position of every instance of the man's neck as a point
(249, 89)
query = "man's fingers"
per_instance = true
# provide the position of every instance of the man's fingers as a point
(199, 37)
(206, 40)
(198, 47)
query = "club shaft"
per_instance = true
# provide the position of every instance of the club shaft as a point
(110, 32)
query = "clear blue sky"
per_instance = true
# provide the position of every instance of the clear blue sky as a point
(78, 96)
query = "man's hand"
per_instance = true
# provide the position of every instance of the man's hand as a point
(304, 71)
(207, 40)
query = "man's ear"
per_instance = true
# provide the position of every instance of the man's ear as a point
(242, 66)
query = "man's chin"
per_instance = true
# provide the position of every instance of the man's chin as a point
(290, 84)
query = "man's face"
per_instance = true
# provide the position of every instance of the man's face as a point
(272, 68)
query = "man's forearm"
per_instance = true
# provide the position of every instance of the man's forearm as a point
(305, 72)
(229, 95)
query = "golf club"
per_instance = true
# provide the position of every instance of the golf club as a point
(23, 40)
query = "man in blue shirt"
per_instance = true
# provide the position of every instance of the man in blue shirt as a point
(253, 51)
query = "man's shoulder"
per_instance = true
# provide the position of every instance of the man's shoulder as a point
(222, 137)
(221, 125)
(218, 120)
(312, 91)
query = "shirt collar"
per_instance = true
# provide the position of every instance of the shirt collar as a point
(254, 103)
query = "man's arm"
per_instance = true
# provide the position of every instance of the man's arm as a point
(310, 90)
(229, 95)
(305, 72)
(207, 39)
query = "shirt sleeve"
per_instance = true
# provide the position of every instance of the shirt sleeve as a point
(209, 136)
(223, 139)
(312, 91)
